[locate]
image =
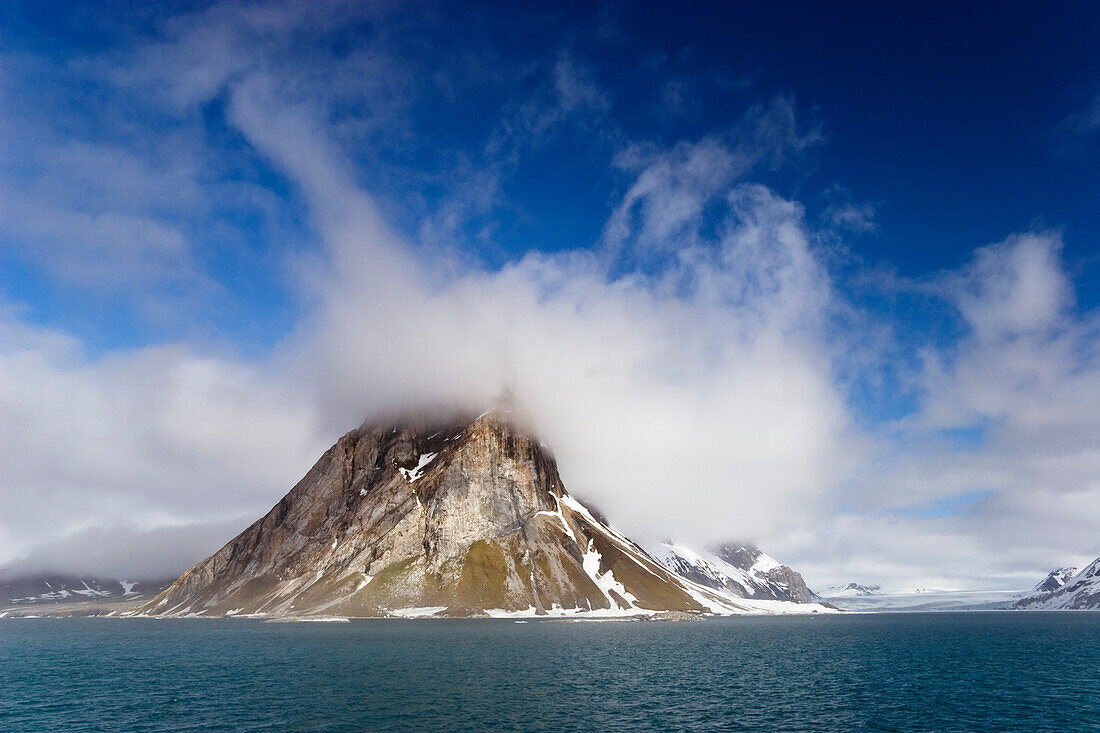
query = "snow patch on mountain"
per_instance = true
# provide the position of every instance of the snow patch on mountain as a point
(411, 475)
(611, 588)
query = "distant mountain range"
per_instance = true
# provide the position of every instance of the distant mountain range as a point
(1062, 589)
(852, 590)
(27, 590)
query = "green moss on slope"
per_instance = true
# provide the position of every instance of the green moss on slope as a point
(483, 582)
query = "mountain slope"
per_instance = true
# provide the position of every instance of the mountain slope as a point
(455, 516)
(1054, 580)
(1078, 592)
(741, 571)
(52, 589)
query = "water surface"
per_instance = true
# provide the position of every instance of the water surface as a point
(1019, 671)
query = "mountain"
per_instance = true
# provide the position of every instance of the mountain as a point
(52, 589)
(1054, 580)
(852, 590)
(1076, 592)
(739, 570)
(1061, 589)
(871, 598)
(422, 517)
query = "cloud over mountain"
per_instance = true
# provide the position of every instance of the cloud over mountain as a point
(695, 366)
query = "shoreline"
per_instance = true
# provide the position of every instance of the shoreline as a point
(100, 613)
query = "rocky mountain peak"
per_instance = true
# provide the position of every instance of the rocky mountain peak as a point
(736, 568)
(738, 554)
(1066, 589)
(1054, 580)
(459, 515)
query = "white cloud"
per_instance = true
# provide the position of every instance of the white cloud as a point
(709, 382)
(1014, 288)
(853, 217)
(844, 214)
(102, 217)
(149, 438)
(1009, 411)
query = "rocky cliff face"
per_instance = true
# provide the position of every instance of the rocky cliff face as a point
(453, 516)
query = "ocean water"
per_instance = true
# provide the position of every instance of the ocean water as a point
(894, 672)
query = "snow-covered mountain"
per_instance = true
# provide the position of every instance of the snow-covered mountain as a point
(851, 590)
(740, 570)
(447, 517)
(925, 599)
(1055, 579)
(28, 590)
(1062, 590)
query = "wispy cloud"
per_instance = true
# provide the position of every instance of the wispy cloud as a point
(1072, 134)
(844, 214)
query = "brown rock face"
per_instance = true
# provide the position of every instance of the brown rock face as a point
(463, 515)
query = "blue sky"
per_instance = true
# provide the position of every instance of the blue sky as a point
(878, 222)
(949, 126)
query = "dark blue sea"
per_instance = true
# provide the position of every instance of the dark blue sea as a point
(894, 672)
